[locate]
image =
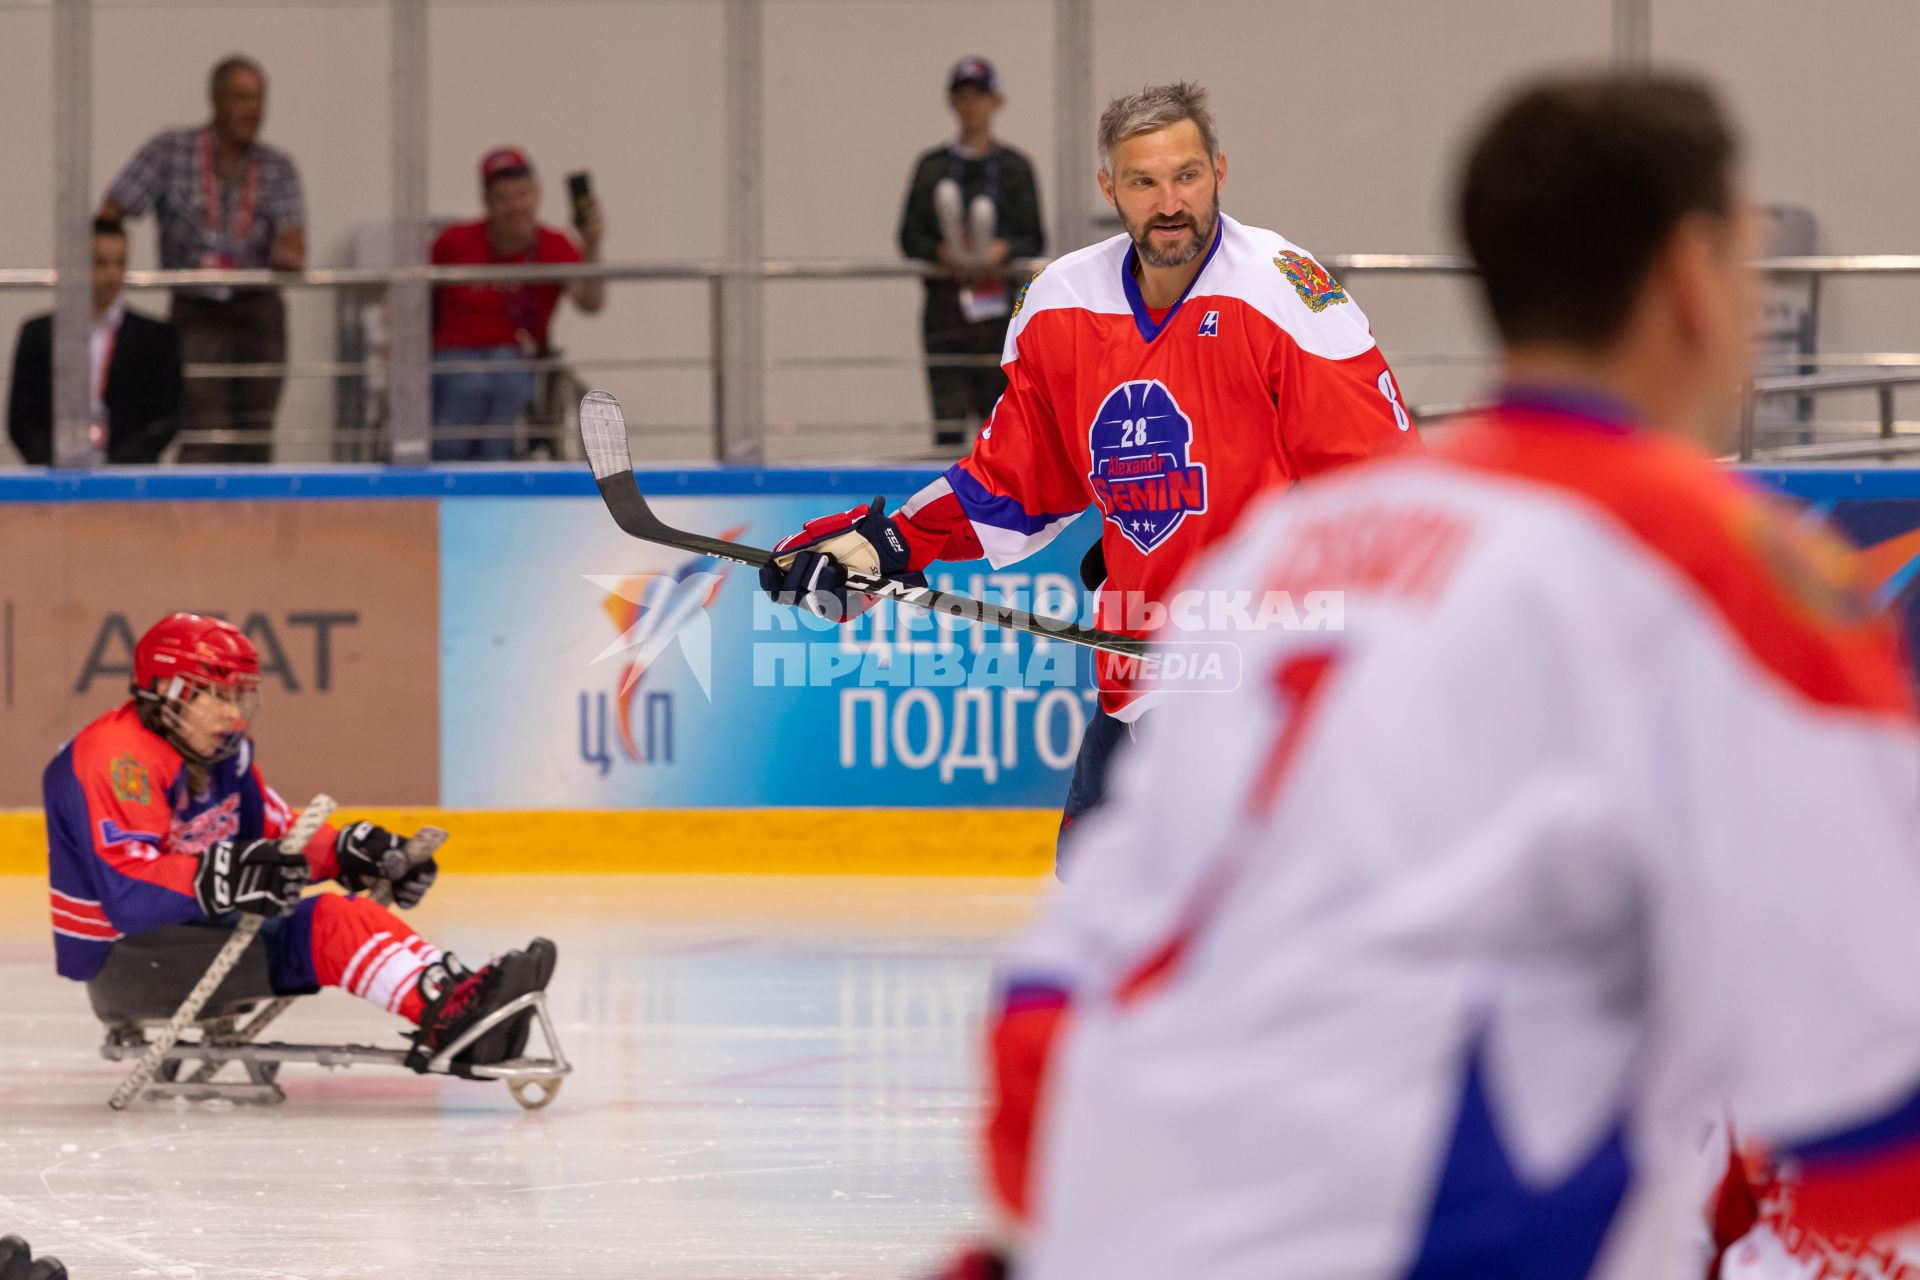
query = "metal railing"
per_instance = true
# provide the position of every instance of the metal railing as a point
(1880, 373)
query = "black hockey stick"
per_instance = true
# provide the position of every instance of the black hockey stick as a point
(603, 429)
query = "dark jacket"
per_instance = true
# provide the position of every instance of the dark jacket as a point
(1017, 199)
(142, 392)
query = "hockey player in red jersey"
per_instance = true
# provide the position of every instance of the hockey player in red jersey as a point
(162, 831)
(1168, 375)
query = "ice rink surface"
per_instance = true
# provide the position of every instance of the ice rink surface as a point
(772, 1077)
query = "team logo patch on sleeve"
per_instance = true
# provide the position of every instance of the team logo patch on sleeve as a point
(129, 778)
(1143, 476)
(1310, 280)
(1020, 298)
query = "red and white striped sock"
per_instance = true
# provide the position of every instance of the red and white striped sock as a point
(367, 951)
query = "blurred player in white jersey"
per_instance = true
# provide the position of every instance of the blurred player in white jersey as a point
(1415, 957)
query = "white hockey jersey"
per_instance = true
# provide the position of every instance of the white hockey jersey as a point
(1414, 957)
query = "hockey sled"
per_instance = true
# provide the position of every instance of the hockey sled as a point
(198, 1065)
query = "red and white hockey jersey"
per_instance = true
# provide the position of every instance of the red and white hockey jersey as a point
(1416, 957)
(1263, 373)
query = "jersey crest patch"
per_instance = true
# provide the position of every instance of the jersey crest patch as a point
(1143, 475)
(1020, 298)
(1310, 280)
(1210, 325)
(129, 777)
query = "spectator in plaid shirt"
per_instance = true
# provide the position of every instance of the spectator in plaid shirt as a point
(223, 200)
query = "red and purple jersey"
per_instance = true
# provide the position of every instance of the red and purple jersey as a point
(1265, 372)
(125, 832)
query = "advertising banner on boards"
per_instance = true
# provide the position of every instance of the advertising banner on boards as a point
(341, 598)
(584, 669)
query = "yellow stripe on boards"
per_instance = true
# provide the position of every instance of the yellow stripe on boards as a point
(934, 842)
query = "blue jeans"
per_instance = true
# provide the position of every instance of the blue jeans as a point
(488, 400)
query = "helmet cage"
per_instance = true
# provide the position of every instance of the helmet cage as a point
(174, 707)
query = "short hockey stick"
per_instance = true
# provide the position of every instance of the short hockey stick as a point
(303, 830)
(603, 429)
(420, 846)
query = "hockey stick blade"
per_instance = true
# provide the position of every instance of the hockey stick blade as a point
(603, 430)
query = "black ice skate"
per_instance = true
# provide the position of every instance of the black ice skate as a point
(459, 1001)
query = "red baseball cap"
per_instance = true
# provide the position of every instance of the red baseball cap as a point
(505, 162)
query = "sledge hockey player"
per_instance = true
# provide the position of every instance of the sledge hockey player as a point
(1420, 958)
(1170, 374)
(161, 832)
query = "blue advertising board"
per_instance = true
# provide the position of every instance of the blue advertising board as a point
(583, 669)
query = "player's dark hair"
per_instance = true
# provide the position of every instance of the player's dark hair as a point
(109, 227)
(1571, 191)
(226, 67)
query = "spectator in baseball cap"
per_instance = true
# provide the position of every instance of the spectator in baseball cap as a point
(475, 412)
(972, 207)
(504, 162)
(976, 73)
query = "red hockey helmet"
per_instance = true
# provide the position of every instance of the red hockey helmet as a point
(204, 650)
(183, 655)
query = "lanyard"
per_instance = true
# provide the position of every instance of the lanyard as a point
(958, 161)
(106, 363)
(210, 192)
(522, 312)
(98, 414)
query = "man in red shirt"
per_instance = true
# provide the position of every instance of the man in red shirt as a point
(475, 409)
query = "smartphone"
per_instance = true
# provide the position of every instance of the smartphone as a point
(580, 191)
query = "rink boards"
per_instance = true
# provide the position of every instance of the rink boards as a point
(970, 842)
(483, 647)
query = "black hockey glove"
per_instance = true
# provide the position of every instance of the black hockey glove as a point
(809, 568)
(18, 1263)
(253, 877)
(413, 886)
(370, 854)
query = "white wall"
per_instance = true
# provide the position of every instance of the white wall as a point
(1830, 107)
(1341, 121)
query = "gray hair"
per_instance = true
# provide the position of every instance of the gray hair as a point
(1154, 108)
